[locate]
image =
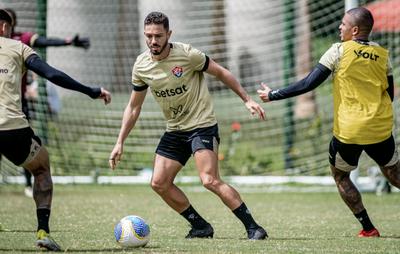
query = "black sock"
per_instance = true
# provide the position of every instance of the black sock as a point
(194, 218)
(43, 216)
(363, 218)
(245, 217)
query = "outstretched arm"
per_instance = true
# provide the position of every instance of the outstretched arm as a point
(42, 42)
(40, 67)
(318, 75)
(226, 77)
(131, 114)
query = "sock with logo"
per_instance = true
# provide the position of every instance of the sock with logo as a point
(363, 218)
(245, 217)
(43, 216)
(191, 215)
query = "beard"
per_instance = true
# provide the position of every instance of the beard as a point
(158, 51)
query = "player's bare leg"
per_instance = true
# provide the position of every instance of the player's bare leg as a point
(162, 182)
(207, 165)
(347, 190)
(43, 185)
(352, 197)
(43, 194)
(392, 173)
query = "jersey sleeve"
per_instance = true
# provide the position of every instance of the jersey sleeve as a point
(331, 57)
(137, 83)
(197, 58)
(26, 53)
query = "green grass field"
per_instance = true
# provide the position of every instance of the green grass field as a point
(83, 218)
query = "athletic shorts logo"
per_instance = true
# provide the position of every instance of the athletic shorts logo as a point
(177, 71)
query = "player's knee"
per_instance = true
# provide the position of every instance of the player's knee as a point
(159, 186)
(210, 182)
(43, 182)
(339, 175)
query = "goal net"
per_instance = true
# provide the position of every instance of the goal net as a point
(276, 42)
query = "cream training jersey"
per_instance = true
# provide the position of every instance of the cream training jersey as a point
(12, 67)
(362, 107)
(177, 84)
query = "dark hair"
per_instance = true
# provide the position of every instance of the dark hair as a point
(362, 18)
(157, 18)
(5, 16)
(13, 15)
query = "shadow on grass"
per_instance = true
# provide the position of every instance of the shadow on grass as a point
(268, 239)
(6, 230)
(107, 250)
(396, 237)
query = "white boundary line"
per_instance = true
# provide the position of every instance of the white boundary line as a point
(364, 184)
(143, 179)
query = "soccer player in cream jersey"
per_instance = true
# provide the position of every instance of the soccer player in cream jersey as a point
(362, 98)
(34, 40)
(18, 143)
(174, 72)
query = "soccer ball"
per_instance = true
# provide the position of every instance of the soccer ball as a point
(132, 231)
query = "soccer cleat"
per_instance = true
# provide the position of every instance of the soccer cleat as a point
(371, 233)
(206, 232)
(44, 240)
(257, 234)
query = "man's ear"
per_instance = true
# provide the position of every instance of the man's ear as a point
(355, 30)
(5, 29)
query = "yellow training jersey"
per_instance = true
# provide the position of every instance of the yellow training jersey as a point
(177, 84)
(362, 107)
(12, 67)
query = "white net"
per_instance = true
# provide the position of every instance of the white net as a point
(275, 42)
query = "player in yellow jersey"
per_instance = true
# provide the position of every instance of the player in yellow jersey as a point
(174, 72)
(363, 117)
(18, 142)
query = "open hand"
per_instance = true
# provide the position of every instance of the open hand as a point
(115, 156)
(255, 108)
(263, 92)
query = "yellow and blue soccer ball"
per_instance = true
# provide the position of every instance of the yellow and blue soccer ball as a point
(132, 231)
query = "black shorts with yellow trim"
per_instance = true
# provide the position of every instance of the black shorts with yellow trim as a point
(19, 145)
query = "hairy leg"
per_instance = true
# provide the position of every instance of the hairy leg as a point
(207, 165)
(43, 185)
(162, 182)
(349, 193)
(392, 173)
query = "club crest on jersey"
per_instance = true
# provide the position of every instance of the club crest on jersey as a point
(177, 71)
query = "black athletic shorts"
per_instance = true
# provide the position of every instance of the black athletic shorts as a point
(19, 145)
(345, 156)
(180, 145)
